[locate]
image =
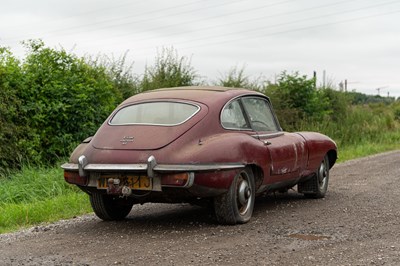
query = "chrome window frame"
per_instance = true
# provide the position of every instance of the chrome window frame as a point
(244, 115)
(154, 124)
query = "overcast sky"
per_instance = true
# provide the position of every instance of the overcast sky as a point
(357, 40)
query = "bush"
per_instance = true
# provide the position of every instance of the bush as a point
(396, 111)
(296, 98)
(64, 100)
(11, 130)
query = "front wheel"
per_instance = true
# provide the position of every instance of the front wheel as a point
(110, 208)
(236, 205)
(317, 186)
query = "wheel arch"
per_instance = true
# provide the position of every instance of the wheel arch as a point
(258, 175)
(332, 157)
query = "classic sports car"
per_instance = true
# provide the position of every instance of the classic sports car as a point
(213, 144)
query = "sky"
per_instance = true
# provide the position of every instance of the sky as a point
(353, 40)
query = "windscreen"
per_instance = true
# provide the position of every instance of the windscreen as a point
(155, 113)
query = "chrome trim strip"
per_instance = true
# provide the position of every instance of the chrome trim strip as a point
(157, 168)
(116, 167)
(269, 135)
(70, 166)
(106, 167)
(196, 167)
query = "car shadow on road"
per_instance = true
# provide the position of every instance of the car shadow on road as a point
(189, 216)
(155, 220)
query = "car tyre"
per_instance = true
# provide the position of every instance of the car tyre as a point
(236, 205)
(109, 208)
(317, 186)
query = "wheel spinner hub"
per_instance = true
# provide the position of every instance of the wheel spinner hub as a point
(322, 173)
(244, 192)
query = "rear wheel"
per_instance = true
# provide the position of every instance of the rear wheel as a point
(236, 205)
(110, 208)
(317, 186)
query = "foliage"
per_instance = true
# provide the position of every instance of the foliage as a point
(396, 111)
(362, 124)
(120, 74)
(236, 78)
(11, 130)
(296, 98)
(361, 98)
(64, 100)
(337, 104)
(169, 70)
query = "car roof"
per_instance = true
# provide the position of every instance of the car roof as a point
(204, 94)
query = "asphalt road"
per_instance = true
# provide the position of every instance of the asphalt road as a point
(358, 223)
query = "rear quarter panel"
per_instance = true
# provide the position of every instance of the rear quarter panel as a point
(318, 146)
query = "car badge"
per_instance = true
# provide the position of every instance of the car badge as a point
(126, 139)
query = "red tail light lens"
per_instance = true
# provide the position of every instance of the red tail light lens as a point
(75, 178)
(179, 179)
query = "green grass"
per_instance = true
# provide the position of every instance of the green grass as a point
(35, 195)
(16, 216)
(390, 141)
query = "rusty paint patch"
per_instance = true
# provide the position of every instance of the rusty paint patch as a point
(309, 237)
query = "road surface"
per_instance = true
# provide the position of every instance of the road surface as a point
(358, 223)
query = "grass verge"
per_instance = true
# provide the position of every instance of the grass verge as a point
(16, 216)
(35, 195)
(389, 141)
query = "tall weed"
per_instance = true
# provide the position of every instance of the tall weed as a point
(33, 184)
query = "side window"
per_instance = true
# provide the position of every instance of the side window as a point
(232, 117)
(260, 114)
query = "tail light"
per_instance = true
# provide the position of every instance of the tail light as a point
(75, 178)
(178, 180)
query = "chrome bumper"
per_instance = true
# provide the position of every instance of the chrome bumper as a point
(151, 167)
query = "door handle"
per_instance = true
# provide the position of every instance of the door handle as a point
(266, 142)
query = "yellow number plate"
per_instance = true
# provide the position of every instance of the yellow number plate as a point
(132, 181)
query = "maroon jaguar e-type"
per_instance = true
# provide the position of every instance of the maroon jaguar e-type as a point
(190, 144)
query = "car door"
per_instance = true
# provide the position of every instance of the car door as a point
(287, 150)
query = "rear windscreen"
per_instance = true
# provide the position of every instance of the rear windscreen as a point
(155, 113)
